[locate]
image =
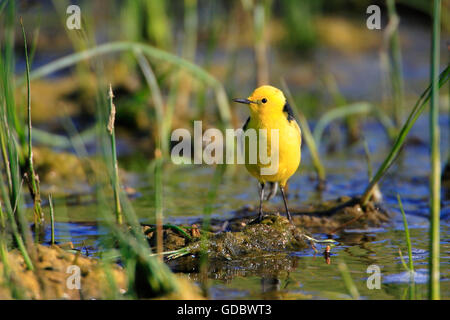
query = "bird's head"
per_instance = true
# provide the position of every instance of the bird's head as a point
(265, 99)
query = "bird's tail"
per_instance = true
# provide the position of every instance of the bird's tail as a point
(273, 186)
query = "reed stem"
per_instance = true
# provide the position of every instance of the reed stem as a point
(32, 178)
(259, 22)
(52, 219)
(435, 177)
(396, 73)
(115, 167)
(159, 201)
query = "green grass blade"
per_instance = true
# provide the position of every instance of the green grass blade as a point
(401, 138)
(149, 75)
(337, 113)
(410, 268)
(348, 281)
(14, 227)
(151, 52)
(60, 141)
(306, 132)
(408, 239)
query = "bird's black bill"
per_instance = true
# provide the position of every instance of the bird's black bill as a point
(244, 101)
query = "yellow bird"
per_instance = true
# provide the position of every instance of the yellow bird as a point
(269, 110)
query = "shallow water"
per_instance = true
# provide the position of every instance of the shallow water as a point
(303, 274)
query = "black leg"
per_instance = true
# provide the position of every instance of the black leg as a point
(261, 199)
(285, 204)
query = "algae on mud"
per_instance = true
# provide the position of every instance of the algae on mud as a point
(273, 234)
(240, 238)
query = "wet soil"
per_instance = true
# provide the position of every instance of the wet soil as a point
(51, 277)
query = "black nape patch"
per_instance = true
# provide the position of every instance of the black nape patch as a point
(290, 113)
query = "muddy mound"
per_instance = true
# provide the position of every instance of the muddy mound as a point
(337, 215)
(238, 245)
(273, 234)
(239, 237)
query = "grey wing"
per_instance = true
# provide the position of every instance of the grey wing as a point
(246, 124)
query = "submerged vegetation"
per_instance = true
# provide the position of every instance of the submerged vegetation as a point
(167, 72)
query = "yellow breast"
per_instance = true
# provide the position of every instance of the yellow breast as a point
(289, 143)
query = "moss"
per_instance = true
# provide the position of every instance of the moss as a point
(273, 234)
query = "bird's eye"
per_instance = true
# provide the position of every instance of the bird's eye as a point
(264, 100)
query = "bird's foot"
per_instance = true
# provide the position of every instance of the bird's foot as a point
(258, 219)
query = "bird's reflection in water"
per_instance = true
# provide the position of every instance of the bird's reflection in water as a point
(270, 284)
